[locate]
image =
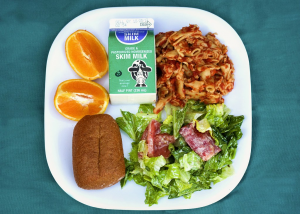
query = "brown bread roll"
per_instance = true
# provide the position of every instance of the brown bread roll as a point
(98, 158)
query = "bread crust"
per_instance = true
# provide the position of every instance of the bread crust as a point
(98, 158)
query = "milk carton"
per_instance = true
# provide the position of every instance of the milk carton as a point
(132, 68)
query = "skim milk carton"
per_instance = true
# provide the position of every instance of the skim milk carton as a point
(132, 67)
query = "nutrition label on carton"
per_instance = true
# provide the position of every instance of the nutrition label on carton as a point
(132, 68)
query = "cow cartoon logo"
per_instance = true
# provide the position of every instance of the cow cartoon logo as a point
(139, 72)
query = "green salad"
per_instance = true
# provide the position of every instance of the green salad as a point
(183, 172)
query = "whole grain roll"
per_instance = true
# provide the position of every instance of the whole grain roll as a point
(98, 158)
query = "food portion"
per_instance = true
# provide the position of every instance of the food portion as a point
(86, 55)
(76, 98)
(98, 159)
(184, 153)
(191, 66)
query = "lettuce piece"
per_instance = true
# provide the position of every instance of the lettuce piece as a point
(194, 110)
(179, 188)
(182, 148)
(180, 142)
(140, 180)
(226, 138)
(169, 109)
(178, 120)
(182, 187)
(129, 166)
(178, 115)
(153, 165)
(173, 190)
(226, 172)
(190, 161)
(127, 124)
(232, 127)
(190, 116)
(220, 140)
(201, 180)
(167, 126)
(153, 194)
(134, 152)
(202, 125)
(168, 120)
(141, 122)
(216, 114)
(142, 148)
(166, 129)
(174, 171)
(158, 181)
(196, 106)
(146, 108)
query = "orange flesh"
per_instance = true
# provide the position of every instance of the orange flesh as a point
(77, 98)
(83, 88)
(86, 55)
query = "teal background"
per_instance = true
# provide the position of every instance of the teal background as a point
(270, 31)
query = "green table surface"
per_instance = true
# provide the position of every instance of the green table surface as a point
(270, 31)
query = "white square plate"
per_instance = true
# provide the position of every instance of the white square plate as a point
(59, 130)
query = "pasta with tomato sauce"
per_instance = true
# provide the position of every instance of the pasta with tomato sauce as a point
(191, 66)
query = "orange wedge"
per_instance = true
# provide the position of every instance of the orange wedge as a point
(76, 98)
(86, 55)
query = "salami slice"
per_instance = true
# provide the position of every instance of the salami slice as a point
(157, 143)
(152, 129)
(202, 143)
(161, 143)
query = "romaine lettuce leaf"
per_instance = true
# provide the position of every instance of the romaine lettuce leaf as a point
(202, 125)
(190, 116)
(168, 120)
(226, 172)
(139, 179)
(194, 109)
(167, 126)
(127, 124)
(182, 187)
(169, 109)
(159, 180)
(146, 108)
(232, 127)
(178, 115)
(181, 148)
(151, 166)
(179, 188)
(216, 114)
(195, 106)
(190, 161)
(134, 152)
(142, 148)
(129, 166)
(174, 171)
(153, 194)
(178, 120)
